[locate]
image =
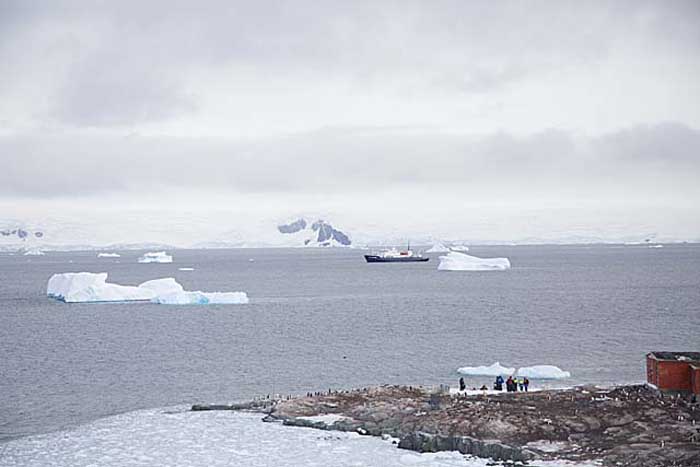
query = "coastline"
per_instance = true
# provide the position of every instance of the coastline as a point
(623, 425)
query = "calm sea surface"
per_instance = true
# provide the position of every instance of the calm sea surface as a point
(322, 319)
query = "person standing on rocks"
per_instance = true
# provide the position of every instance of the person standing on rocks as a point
(498, 385)
(462, 386)
(526, 383)
(521, 383)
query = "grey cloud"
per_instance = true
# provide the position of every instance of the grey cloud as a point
(348, 160)
(129, 60)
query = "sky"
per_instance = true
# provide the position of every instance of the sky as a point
(475, 120)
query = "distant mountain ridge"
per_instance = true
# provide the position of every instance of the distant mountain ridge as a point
(318, 233)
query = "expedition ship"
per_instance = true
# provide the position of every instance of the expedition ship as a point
(395, 256)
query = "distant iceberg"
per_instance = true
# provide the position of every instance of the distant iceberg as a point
(455, 261)
(459, 248)
(185, 269)
(438, 248)
(543, 372)
(88, 287)
(33, 252)
(493, 370)
(156, 257)
(108, 255)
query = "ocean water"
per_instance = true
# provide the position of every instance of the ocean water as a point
(322, 319)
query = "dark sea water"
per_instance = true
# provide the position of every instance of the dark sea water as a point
(322, 319)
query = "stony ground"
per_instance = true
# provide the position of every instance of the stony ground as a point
(630, 425)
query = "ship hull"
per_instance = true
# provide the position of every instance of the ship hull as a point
(398, 259)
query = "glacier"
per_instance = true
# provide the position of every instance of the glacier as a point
(156, 257)
(492, 370)
(88, 287)
(437, 248)
(543, 372)
(455, 261)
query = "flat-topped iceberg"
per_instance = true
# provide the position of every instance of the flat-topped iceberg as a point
(492, 370)
(455, 261)
(156, 257)
(543, 372)
(108, 255)
(88, 287)
(81, 287)
(438, 248)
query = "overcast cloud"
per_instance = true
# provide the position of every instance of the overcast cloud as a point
(499, 100)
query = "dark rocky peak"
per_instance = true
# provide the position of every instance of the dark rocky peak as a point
(292, 227)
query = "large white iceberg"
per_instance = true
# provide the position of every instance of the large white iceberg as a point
(156, 257)
(438, 248)
(455, 261)
(76, 287)
(108, 255)
(87, 287)
(459, 248)
(493, 370)
(543, 372)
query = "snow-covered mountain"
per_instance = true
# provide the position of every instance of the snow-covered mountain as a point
(318, 233)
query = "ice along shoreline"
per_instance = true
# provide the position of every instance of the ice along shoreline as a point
(631, 425)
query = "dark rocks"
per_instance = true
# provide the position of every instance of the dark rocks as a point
(292, 227)
(427, 442)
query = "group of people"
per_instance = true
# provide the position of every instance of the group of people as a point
(512, 384)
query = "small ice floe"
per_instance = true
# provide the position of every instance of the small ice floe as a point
(185, 269)
(156, 257)
(543, 372)
(202, 298)
(438, 248)
(109, 255)
(455, 261)
(33, 252)
(493, 370)
(251, 260)
(87, 287)
(657, 245)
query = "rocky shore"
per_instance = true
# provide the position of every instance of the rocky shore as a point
(627, 425)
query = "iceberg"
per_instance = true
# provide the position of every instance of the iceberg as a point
(438, 248)
(156, 257)
(493, 370)
(543, 372)
(455, 261)
(33, 252)
(459, 248)
(88, 287)
(201, 298)
(80, 287)
(185, 269)
(109, 255)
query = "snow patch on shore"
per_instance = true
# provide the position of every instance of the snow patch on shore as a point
(455, 261)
